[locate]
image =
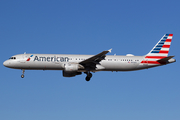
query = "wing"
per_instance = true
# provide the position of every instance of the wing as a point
(91, 62)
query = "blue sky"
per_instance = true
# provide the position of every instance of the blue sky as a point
(89, 27)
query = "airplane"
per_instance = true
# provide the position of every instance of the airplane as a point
(72, 65)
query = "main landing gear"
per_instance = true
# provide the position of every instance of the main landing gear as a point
(22, 76)
(89, 75)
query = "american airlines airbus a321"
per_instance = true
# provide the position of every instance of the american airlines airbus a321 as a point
(72, 65)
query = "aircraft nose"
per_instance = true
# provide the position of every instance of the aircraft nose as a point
(5, 63)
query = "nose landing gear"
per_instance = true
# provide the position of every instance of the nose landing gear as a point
(22, 76)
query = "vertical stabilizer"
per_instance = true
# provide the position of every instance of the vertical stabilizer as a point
(159, 51)
(162, 47)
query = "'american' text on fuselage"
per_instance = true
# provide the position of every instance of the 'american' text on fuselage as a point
(52, 59)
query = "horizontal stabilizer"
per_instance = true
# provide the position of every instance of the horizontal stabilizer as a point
(165, 60)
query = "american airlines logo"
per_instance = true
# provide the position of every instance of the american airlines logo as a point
(52, 59)
(29, 58)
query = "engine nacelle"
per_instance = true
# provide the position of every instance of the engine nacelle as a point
(71, 74)
(71, 67)
(71, 70)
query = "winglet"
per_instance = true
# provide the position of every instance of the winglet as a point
(110, 50)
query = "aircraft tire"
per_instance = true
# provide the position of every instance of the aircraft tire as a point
(22, 76)
(88, 78)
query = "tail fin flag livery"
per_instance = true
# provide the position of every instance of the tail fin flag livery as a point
(162, 47)
(72, 65)
(160, 51)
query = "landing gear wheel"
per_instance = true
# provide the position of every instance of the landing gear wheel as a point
(22, 76)
(88, 77)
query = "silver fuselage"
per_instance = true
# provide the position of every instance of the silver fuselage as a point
(57, 62)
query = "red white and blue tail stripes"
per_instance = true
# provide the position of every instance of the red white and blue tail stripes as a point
(160, 50)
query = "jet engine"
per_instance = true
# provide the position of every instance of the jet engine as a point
(71, 74)
(71, 69)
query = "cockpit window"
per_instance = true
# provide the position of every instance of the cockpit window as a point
(12, 58)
